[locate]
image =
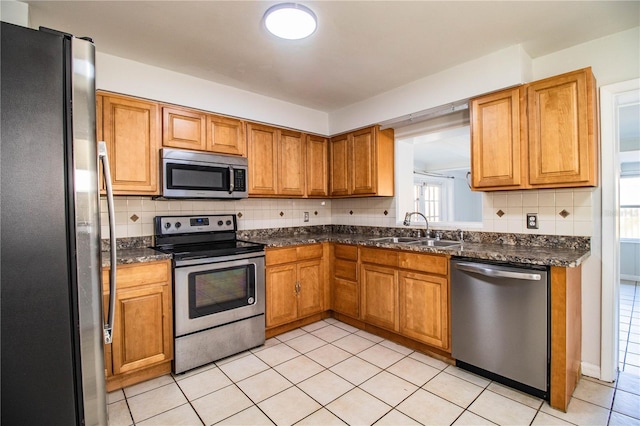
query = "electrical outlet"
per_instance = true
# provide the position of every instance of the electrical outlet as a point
(306, 216)
(532, 221)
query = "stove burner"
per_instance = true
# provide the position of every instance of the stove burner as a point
(203, 236)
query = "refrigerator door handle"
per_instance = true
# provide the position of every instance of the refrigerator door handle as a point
(486, 270)
(104, 159)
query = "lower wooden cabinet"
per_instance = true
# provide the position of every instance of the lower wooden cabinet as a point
(294, 283)
(424, 308)
(400, 291)
(345, 289)
(142, 346)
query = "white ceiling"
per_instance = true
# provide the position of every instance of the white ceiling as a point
(361, 48)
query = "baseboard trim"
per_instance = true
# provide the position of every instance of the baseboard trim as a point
(590, 370)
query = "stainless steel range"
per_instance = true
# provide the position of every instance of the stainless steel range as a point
(218, 288)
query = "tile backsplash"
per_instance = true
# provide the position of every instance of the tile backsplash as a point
(560, 211)
(134, 215)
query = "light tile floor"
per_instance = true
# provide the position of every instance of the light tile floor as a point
(629, 327)
(329, 373)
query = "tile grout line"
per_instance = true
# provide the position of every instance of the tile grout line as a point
(351, 355)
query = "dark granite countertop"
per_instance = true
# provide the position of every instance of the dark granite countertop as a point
(547, 250)
(132, 250)
(535, 255)
(133, 255)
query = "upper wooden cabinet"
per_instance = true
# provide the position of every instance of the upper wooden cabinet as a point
(497, 145)
(317, 169)
(362, 163)
(563, 133)
(197, 130)
(286, 163)
(540, 135)
(131, 129)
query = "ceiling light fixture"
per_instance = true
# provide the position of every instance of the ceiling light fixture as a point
(291, 21)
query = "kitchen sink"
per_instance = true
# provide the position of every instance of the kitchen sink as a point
(395, 239)
(432, 242)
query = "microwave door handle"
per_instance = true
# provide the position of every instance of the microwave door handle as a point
(231, 179)
(106, 173)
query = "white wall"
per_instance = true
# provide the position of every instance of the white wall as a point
(14, 12)
(137, 79)
(506, 67)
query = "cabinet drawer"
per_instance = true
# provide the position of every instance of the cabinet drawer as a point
(345, 269)
(430, 263)
(312, 251)
(347, 252)
(138, 274)
(280, 255)
(378, 256)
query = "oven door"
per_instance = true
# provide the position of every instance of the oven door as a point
(220, 291)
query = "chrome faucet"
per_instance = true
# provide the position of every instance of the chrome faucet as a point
(460, 235)
(407, 221)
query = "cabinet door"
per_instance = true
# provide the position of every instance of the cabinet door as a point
(340, 182)
(424, 312)
(225, 135)
(345, 297)
(363, 162)
(292, 163)
(379, 293)
(182, 128)
(263, 159)
(317, 164)
(131, 128)
(142, 332)
(562, 130)
(281, 294)
(311, 287)
(497, 144)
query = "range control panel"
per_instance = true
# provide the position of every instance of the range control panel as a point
(169, 225)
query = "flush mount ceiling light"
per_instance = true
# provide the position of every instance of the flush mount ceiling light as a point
(291, 21)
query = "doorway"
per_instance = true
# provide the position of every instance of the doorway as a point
(619, 300)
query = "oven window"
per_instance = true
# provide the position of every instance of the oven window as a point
(221, 290)
(183, 176)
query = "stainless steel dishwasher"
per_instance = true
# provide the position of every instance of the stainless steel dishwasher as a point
(500, 322)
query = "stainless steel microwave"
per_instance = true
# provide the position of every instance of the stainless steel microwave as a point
(193, 174)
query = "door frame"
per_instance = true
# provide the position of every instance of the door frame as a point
(610, 172)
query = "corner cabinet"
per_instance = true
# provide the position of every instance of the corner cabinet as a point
(196, 130)
(345, 287)
(295, 287)
(131, 129)
(540, 135)
(317, 167)
(142, 346)
(362, 163)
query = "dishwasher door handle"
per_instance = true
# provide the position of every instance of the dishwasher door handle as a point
(488, 271)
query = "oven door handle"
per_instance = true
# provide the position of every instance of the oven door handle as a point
(106, 173)
(231, 180)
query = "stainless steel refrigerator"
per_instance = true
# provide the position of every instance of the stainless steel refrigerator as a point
(52, 359)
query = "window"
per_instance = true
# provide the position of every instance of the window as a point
(431, 198)
(630, 207)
